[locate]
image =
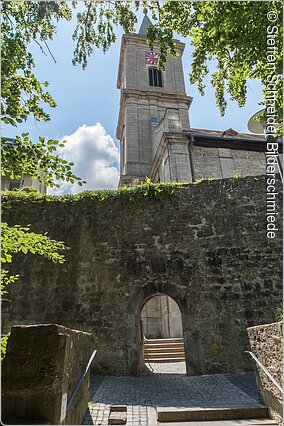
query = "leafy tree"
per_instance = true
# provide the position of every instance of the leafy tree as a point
(24, 22)
(22, 156)
(96, 26)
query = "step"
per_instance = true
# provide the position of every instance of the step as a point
(173, 414)
(162, 348)
(168, 360)
(172, 340)
(239, 422)
(165, 355)
(155, 350)
(164, 345)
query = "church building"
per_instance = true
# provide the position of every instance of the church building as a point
(157, 141)
(156, 138)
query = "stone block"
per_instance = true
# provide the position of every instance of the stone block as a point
(42, 367)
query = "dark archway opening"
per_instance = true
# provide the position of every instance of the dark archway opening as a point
(162, 336)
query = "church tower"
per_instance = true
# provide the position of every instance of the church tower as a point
(152, 102)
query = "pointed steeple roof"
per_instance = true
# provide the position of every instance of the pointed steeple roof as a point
(145, 23)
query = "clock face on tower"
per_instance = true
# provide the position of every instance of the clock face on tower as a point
(152, 58)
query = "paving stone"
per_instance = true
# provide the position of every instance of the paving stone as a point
(141, 395)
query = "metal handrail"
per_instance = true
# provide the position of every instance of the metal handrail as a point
(80, 381)
(265, 371)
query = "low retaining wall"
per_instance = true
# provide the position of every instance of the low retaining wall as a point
(42, 366)
(266, 343)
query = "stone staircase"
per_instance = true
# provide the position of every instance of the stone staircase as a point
(164, 350)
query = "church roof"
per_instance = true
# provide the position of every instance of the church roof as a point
(145, 24)
(228, 139)
(227, 134)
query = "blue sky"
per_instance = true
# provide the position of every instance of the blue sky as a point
(85, 98)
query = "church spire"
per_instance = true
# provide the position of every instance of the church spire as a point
(145, 23)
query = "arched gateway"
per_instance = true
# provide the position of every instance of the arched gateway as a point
(136, 332)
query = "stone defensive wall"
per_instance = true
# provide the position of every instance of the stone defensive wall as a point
(203, 244)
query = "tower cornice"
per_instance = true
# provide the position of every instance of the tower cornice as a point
(137, 94)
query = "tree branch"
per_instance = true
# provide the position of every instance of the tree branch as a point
(49, 51)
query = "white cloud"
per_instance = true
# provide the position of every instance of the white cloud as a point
(95, 156)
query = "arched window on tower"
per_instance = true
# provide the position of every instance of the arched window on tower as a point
(155, 77)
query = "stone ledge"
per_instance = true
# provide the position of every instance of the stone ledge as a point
(173, 414)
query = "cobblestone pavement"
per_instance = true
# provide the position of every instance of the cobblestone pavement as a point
(132, 400)
(245, 382)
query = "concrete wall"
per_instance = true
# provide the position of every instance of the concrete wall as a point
(266, 343)
(204, 246)
(42, 366)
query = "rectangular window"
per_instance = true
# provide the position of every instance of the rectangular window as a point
(155, 77)
(14, 184)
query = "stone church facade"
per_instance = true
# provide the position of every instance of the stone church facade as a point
(156, 138)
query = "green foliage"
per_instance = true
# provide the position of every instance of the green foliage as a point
(233, 34)
(22, 156)
(29, 189)
(96, 27)
(22, 94)
(22, 23)
(4, 341)
(158, 190)
(279, 314)
(18, 239)
(147, 189)
(6, 279)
